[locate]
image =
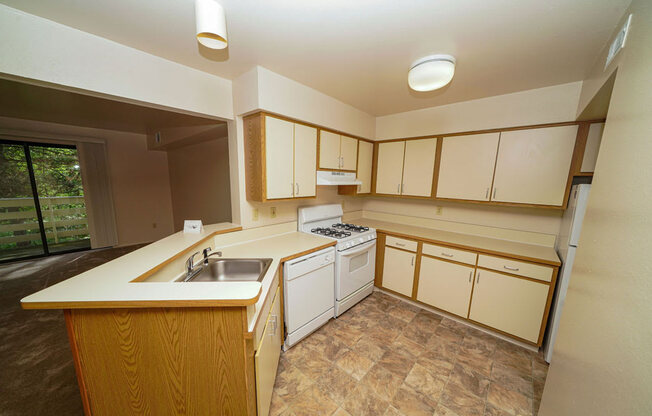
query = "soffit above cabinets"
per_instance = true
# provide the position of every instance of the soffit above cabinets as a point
(360, 54)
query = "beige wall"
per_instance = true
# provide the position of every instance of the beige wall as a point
(602, 363)
(139, 178)
(199, 182)
(538, 106)
(47, 52)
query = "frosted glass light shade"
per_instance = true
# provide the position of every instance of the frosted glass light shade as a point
(431, 72)
(211, 24)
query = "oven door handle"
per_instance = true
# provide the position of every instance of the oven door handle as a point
(366, 246)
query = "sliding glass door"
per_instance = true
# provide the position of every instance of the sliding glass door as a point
(42, 208)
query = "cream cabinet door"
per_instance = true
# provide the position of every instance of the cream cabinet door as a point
(390, 168)
(329, 150)
(445, 285)
(419, 167)
(466, 167)
(533, 165)
(267, 356)
(305, 160)
(365, 162)
(279, 158)
(509, 304)
(398, 271)
(348, 153)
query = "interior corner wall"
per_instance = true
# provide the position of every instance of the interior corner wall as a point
(139, 178)
(47, 53)
(200, 182)
(602, 360)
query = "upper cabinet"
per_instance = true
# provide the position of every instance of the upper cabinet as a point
(406, 167)
(466, 167)
(337, 152)
(533, 165)
(280, 158)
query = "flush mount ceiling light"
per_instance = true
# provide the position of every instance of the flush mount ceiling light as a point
(431, 72)
(211, 24)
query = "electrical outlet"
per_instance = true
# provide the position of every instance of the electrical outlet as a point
(439, 210)
(254, 214)
(272, 212)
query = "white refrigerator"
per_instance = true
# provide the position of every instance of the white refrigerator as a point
(569, 235)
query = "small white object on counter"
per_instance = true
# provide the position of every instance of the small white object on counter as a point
(192, 226)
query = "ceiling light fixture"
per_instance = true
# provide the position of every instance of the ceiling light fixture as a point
(431, 72)
(211, 24)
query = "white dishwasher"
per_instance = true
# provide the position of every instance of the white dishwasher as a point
(309, 289)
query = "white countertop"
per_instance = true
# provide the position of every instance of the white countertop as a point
(111, 285)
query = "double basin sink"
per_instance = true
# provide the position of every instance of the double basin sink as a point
(230, 270)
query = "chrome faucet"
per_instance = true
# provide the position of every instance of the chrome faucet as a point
(190, 267)
(206, 255)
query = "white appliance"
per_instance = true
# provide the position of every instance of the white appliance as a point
(569, 235)
(327, 177)
(355, 258)
(308, 284)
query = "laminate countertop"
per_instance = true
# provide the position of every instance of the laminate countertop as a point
(115, 284)
(523, 251)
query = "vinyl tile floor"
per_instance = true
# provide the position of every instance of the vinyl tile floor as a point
(387, 357)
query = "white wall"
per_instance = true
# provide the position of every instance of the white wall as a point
(543, 105)
(139, 178)
(602, 362)
(45, 52)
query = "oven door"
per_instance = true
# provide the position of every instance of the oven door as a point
(354, 268)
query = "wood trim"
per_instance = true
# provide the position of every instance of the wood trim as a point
(182, 253)
(305, 123)
(475, 272)
(312, 250)
(495, 130)
(518, 276)
(451, 261)
(374, 169)
(506, 204)
(417, 270)
(78, 368)
(469, 248)
(380, 259)
(435, 177)
(250, 374)
(337, 170)
(546, 313)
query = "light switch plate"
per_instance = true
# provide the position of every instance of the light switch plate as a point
(439, 210)
(254, 214)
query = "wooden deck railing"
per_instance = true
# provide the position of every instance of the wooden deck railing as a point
(18, 225)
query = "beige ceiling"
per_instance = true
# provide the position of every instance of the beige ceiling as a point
(359, 50)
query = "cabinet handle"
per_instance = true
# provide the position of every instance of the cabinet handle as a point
(514, 269)
(412, 260)
(477, 279)
(447, 255)
(495, 192)
(400, 244)
(486, 194)
(470, 276)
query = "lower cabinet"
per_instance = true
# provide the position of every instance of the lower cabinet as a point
(398, 270)
(445, 285)
(267, 356)
(509, 304)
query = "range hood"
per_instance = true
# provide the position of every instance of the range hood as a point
(326, 177)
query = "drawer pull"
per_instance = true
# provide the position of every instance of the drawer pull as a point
(447, 255)
(477, 279)
(412, 261)
(400, 244)
(470, 276)
(514, 269)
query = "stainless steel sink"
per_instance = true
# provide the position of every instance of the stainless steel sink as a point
(231, 270)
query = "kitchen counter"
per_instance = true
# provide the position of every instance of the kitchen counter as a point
(530, 252)
(121, 284)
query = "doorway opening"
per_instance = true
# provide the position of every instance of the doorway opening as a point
(42, 208)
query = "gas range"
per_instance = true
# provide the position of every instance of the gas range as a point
(326, 220)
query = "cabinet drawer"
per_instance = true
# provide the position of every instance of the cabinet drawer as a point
(401, 243)
(450, 253)
(520, 268)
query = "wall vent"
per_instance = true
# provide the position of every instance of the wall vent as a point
(619, 42)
